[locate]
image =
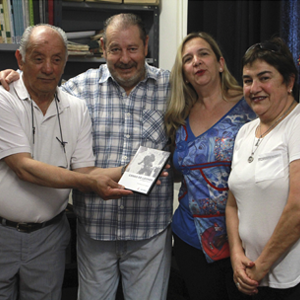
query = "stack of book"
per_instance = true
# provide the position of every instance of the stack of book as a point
(147, 2)
(84, 43)
(16, 15)
(75, 49)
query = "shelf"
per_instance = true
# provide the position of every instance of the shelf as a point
(9, 47)
(83, 16)
(84, 59)
(99, 60)
(105, 6)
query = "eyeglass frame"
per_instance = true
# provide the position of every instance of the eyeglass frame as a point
(265, 46)
(61, 140)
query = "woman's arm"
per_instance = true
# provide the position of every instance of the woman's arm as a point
(238, 259)
(287, 231)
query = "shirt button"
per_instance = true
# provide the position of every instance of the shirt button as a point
(121, 206)
(127, 135)
(124, 157)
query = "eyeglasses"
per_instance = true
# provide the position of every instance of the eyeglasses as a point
(61, 140)
(265, 46)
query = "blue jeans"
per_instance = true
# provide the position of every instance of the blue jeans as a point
(144, 267)
(32, 265)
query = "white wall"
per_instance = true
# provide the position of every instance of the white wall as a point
(172, 30)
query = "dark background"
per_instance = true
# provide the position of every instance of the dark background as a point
(236, 25)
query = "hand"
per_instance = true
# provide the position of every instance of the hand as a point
(107, 189)
(8, 76)
(256, 272)
(246, 285)
(164, 173)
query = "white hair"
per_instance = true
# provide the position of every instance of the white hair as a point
(27, 34)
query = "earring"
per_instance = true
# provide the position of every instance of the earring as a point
(187, 82)
(291, 90)
(221, 69)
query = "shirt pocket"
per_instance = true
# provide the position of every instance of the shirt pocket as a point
(154, 134)
(270, 166)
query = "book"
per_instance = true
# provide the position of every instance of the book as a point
(11, 20)
(36, 11)
(112, 1)
(25, 6)
(77, 49)
(80, 34)
(18, 19)
(6, 15)
(148, 2)
(3, 32)
(42, 11)
(144, 169)
(50, 12)
(31, 13)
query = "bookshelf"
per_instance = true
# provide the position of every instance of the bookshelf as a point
(83, 16)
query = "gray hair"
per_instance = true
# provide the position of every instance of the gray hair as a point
(27, 34)
(125, 20)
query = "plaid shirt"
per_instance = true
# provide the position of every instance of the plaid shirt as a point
(121, 124)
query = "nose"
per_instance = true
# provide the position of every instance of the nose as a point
(196, 61)
(47, 67)
(125, 57)
(255, 87)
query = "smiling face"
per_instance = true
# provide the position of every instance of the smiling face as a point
(265, 90)
(44, 64)
(125, 54)
(200, 65)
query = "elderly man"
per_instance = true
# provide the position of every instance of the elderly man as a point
(127, 99)
(44, 132)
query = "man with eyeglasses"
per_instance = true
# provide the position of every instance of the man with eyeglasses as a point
(45, 132)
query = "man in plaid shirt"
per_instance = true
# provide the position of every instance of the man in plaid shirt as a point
(130, 236)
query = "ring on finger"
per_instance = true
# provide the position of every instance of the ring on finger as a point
(237, 284)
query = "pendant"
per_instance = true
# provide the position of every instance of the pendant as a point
(250, 159)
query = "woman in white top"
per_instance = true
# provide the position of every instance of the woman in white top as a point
(263, 208)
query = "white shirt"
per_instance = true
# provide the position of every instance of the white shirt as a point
(21, 201)
(261, 190)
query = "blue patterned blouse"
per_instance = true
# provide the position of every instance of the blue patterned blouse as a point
(205, 162)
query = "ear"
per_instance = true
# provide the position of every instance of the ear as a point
(146, 45)
(221, 63)
(103, 47)
(19, 59)
(291, 82)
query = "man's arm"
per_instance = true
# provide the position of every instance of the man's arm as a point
(84, 179)
(8, 76)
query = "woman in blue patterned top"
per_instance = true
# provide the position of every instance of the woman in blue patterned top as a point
(205, 111)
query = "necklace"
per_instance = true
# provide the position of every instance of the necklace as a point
(262, 135)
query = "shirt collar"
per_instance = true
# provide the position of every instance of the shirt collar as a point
(150, 73)
(22, 93)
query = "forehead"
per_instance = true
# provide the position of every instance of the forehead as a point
(257, 67)
(195, 43)
(45, 39)
(117, 34)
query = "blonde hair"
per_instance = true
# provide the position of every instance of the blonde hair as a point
(183, 96)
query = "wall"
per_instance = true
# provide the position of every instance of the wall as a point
(172, 29)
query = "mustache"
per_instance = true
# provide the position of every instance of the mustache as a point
(125, 66)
